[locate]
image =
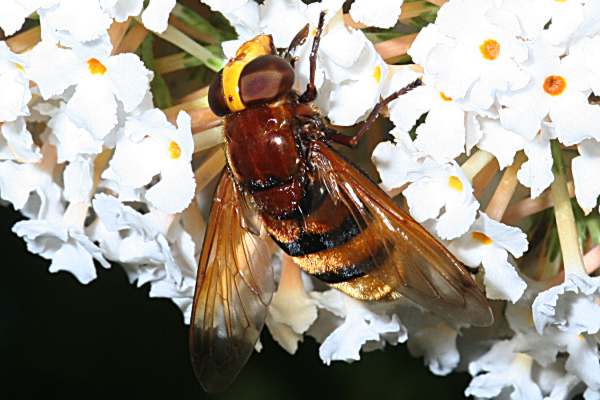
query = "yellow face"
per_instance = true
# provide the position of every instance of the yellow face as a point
(259, 46)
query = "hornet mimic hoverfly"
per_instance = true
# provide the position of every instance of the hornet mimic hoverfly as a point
(283, 178)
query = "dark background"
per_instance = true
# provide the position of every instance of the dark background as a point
(60, 339)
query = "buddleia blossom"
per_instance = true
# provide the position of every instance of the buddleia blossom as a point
(102, 176)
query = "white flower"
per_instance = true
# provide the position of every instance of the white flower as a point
(14, 82)
(584, 166)
(433, 339)
(397, 161)
(565, 17)
(283, 30)
(243, 15)
(488, 243)
(571, 306)
(359, 326)
(536, 172)
(557, 383)
(14, 13)
(156, 147)
(442, 193)
(352, 99)
(382, 14)
(503, 370)
(587, 54)
(70, 140)
(559, 89)
(350, 73)
(476, 52)
(81, 20)
(153, 247)
(555, 21)
(443, 134)
(18, 182)
(583, 358)
(100, 79)
(155, 17)
(64, 243)
(501, 142)
(292, 311)
(17, 144)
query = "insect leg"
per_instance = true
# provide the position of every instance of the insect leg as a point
(311, 91)
(298, 40)
(352, 141)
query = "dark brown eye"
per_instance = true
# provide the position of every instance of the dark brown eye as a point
(216, 96)
(265, 78)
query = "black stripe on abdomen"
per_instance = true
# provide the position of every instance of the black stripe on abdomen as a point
(353, 271)
(308, 243)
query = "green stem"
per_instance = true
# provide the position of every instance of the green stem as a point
(176, 62)
(160, 90)
(565, 218)
(200, 25)
(179, 39)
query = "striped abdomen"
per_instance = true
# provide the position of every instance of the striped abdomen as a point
(328, 243)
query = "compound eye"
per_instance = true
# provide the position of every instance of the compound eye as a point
(264, 79)
(216, 96)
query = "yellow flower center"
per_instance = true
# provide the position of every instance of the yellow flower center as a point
(377, 74)
(19, 67)
(174, 150)
(444, 97)
(481, 237)
(455, 183)
(96, 67)
(490, 49)
(555, 85)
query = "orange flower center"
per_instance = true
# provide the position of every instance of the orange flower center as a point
(377, 74)
(444, 97)
(455, 183)
(96, 67)
(481, 237)
(174, 150)
(490, 49)
(555, 85)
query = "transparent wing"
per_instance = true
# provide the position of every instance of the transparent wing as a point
(233, 290)
(416, 265)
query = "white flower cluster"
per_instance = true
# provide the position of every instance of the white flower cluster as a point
(505, 76)
(80, 136)
(101, 175)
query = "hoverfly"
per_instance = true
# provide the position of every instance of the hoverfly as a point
(283, 183)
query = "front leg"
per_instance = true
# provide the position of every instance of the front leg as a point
(352, 141)
(311, 90)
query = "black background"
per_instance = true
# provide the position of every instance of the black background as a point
(60, 339)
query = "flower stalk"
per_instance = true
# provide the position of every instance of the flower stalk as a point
(394, 48)
(25, 40)
(133, 39)
(476, 163)
(505, 190)
(117, 32)
(209, 138)
(212, 166)
(565, 219)
(181, 40)
(526, 207)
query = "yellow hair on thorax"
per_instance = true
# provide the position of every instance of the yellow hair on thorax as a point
(252, 49)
